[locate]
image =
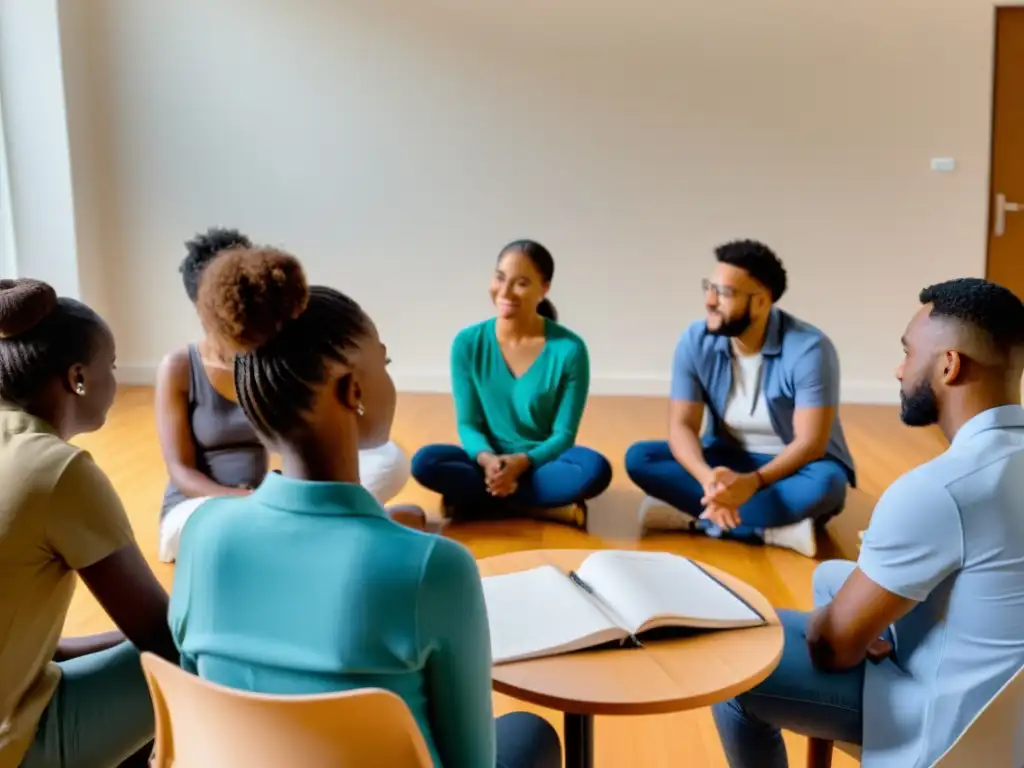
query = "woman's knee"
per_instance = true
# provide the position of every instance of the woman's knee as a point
(427, 459)
(597, 471)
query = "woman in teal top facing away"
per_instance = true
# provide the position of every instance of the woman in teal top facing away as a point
(305, 585)
(520, 382)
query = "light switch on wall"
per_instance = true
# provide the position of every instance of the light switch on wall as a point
(944, 164)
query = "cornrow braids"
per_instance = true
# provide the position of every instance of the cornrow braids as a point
(276, 382)
(285, 335)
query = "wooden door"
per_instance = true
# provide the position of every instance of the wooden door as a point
(1006, 219)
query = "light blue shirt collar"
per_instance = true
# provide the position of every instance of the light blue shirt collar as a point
(317, 498)
(1001, 417)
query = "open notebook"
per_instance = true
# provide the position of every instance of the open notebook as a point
(613, 596)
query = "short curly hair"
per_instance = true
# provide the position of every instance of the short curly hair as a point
(201, 250)
(984, 306)
(757, 260)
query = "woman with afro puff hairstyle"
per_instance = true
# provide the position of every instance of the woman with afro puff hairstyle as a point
(209, 447)
(305, 586)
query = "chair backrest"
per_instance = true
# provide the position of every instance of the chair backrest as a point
(200, 724)
(996, 734)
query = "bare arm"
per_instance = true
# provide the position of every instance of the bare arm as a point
(914, 542)
(126, 588)
(174, 430)
(73, 647)
(685, 417)
(812, 428)
(841, 633)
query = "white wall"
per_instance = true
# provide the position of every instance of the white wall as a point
(37, 225)
(395, 145)
(8, 265)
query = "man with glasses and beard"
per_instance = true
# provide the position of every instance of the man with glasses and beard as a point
(936, 598)
(773, 459)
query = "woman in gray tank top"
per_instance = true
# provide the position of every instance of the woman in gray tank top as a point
(208, 445)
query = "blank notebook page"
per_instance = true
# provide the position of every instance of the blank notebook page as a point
(536, 610)
(641, 585)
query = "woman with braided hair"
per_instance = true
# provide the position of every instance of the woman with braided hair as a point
(208, 445)
(305, 586)
(76, 702)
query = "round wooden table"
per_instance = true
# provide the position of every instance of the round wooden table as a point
(663, 676)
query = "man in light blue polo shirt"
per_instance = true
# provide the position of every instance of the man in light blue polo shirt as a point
(773, 458)
(907, 645)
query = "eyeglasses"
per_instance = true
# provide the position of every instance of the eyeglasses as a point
(724, 291)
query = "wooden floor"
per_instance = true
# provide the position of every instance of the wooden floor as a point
(127, 450)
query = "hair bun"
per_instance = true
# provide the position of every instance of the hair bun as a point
(247, 295)
(24, 304)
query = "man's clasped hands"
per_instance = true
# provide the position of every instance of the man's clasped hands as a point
(725, 491)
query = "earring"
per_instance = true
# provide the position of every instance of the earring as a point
(360, 410)
(79, 389)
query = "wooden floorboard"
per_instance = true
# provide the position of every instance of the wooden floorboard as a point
(127, 450)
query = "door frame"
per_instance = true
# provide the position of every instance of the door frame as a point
(1013, 6)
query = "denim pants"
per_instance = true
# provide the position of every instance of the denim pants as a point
(796, 696)
(526, 740)
(577, 475)
(817, 490)
(100, 715)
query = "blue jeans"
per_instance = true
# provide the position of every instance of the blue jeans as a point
(526, 740)
(577, 475)
(100, 715)
(817, 490)
(796, 696)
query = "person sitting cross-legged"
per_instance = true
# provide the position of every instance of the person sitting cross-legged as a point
(520, 384)
(774, 458)
(907, 645)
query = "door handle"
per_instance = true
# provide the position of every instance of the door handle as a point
(1004, 207)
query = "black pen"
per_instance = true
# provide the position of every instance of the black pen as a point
(575, 578)
(581, 583)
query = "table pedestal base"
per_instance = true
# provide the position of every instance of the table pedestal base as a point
(579, 741)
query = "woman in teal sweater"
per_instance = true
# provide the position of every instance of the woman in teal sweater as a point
(520, 382)
(353, 599)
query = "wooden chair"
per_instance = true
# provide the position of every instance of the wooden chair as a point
(200, 724)
(994, 737)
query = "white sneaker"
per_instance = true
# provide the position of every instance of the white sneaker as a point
(800, 537)
(657, 515)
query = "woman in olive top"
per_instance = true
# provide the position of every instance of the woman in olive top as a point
(520, 383)
(66, 702)
(209, 447)
(353, 599)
